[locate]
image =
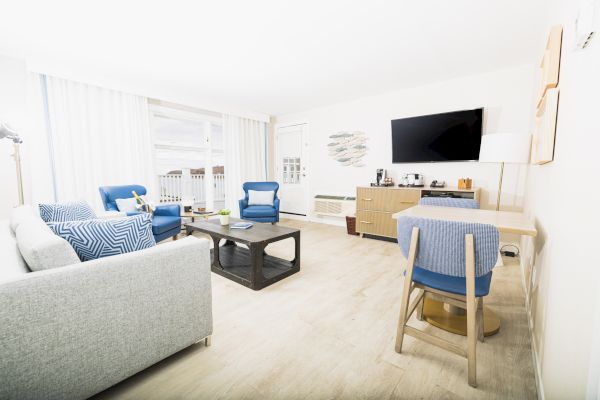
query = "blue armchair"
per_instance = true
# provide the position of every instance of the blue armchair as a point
(167, 218)
(262, 213)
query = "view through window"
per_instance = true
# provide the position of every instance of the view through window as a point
(189, 158)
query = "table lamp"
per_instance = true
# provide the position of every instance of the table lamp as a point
(513, 148)
(7, 132)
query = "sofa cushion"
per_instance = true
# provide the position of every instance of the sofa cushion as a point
(22, 213)
(164, 223)
(66, 211)
(98, 238)
(130, 204)
(12, 264)
(127, 205)
(259, 211)
(41, 248)
(261, 197)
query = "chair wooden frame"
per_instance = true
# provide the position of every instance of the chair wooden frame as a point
(472, 304)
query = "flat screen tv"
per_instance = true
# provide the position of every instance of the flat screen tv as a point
(452, 136)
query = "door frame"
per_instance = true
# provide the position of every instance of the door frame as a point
(306, 156)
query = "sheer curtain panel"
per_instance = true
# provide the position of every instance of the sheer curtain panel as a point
(96, 137)
(245, 141)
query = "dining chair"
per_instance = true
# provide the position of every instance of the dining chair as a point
(452, 262)
(449, 202)
(444, 202)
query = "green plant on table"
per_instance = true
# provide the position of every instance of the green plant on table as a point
(224, 211)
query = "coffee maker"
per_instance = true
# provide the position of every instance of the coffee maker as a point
(380, 176)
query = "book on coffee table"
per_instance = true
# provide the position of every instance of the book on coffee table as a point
(241, 225)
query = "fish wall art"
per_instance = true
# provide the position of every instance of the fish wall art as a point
(348, 148)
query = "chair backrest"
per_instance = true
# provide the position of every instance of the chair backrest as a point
(441, 246)
(449, 202)
(260, 186)
(110, 194)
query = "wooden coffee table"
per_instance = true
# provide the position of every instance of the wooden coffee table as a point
(251, 267)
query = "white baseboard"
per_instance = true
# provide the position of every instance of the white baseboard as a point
(293, 216)
(534, 353)
(337, 221)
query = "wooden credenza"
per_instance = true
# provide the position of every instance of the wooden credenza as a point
(375, 205)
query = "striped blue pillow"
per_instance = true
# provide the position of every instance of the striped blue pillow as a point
(98, 238)
(66, 211)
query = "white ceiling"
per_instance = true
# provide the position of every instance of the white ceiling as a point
(273, 56)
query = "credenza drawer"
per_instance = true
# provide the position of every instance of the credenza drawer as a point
(376, 223)
(386, 199)
(370, 199)
(402, 199)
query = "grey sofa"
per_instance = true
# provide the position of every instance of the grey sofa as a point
(73, 331)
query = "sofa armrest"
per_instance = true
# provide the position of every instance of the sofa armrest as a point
(243, 204)
(111, 214)
(71, 332)
(276, 204)
(171, 210)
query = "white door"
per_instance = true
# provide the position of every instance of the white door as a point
(291, 158)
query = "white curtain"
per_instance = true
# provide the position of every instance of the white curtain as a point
(38, 177)
(245, 156)
(95, 137)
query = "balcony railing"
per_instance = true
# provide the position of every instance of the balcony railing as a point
(171, 187)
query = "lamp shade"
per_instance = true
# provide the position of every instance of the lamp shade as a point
(7, 132)
(505, 147)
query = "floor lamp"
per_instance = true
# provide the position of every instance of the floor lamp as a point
(512, 148)
(6, 132)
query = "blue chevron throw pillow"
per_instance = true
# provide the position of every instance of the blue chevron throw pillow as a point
(98, 238)
(66, 211)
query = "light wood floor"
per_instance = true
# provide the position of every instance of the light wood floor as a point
(328, 332)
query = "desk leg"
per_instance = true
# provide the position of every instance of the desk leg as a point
(454, 320)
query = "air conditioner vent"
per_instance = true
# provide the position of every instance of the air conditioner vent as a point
(335, 206)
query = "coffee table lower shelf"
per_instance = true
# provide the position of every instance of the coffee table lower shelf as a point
(236, 264)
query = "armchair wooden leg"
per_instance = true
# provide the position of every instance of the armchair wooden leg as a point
(471, 311)
(175, 237)
(402, 316)
(406, 291)
(208, 340)
(480, 335)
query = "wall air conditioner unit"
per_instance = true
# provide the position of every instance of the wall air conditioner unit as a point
(334, 206)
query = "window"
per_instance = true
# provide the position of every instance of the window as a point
(189, 157)
(291, 170)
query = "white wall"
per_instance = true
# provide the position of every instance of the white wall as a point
(12, 111)
(561, 264)
(506, 95)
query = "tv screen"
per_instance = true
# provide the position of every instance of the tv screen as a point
(452, 136)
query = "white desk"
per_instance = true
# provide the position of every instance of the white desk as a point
(505, 221)
(442, 315)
